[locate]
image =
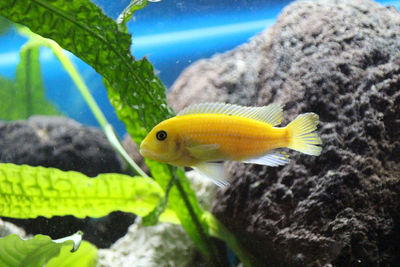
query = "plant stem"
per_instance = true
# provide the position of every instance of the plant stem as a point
(112, 137)
(211, 247)
(218, 230)
(98, 114)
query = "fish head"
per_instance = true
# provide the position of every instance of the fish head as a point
(163, 143)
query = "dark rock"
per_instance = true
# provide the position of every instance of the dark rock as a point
(67, 145)
(58, 142)
(341, 60)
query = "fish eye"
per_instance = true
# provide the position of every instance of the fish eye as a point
(161, 135)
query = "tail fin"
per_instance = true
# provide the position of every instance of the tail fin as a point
(303, 138)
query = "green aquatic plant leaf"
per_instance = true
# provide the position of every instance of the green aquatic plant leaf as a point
(82, 28)
(39, 250)
(7, 91)
(84, 90)
(85, 256)
(136, 93)
(25, 96)
(30, 97)
(28, 192)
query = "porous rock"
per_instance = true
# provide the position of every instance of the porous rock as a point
(65, 144)
(152, 246)
(162, 245)
(341, 60)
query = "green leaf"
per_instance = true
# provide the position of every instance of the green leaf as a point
(84, 90)
(85, 256)
(37, 251)
(28, 192)
(30, 96)
(80, 27)
(7, 91)
(26, 96)
(136, 93)
(127, 14)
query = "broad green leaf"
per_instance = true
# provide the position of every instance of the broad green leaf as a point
(16, 252)
(85, 256)
(69, 67)
(136, 93)
(80, 27)
(28, 192)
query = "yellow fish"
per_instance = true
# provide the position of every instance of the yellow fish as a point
(203, 134)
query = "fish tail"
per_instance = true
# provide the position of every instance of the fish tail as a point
(302, 135)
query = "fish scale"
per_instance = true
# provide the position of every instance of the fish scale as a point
(238, 137)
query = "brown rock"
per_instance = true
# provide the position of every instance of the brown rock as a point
(341, 60)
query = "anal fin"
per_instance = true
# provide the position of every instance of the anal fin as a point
(213, 171)
(272, 159)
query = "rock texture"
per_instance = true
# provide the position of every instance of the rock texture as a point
(341, 60)
(162, 245)
(62, 143)
(58, 142)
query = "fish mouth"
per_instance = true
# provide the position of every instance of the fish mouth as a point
(147, 153)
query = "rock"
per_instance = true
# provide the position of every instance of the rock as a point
(204, 188)
(341, 60)
(58, 142)
(7, 228)
(62, 143)
(160, 245)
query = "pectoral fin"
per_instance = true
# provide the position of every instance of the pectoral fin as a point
(204, 152)
(213, 171)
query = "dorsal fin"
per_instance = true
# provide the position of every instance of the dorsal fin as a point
(271, 114)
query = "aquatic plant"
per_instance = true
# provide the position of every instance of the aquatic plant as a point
(138, 97)
(25, 95)
(40, 251)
